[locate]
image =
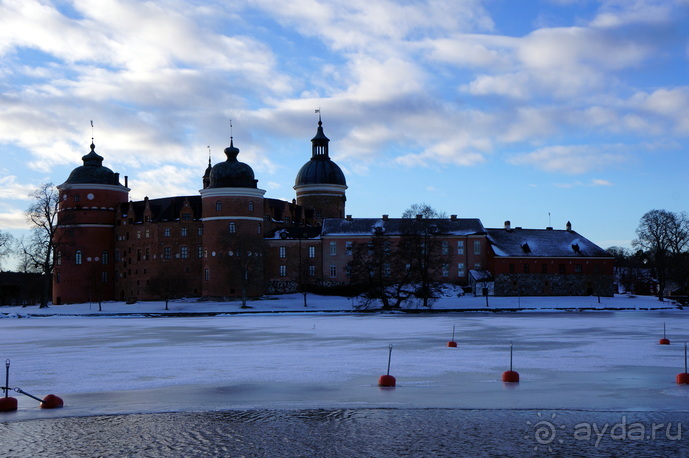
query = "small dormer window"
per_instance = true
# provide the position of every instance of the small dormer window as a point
(575, 247)
(526, 247)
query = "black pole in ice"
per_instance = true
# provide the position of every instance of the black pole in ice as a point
(389, 357)
(685, 357)
(453, 333)
(510, 355)
(7, 377)
(663, 330)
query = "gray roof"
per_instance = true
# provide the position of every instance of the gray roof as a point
(232, 173)
(552, 243)
(399, 226)
(92, 172)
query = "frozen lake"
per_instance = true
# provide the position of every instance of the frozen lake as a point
(569, 362)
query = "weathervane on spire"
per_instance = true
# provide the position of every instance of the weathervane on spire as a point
(318, 110)
(209, 154)
(92, 131)
(231, 131)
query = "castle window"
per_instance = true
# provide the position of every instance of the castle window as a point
(186, 216)
(166, 232)
(138, 234)
(232, 227)
(577, 268)
(57, 277)
(105, 257)
(200, 231)
(460, 269)
(147, 233)
(199, 251)
(167, 253)
(312, 252)
(460, 247)
(283, 271)
(477, 266)
(333, 271)
(446, 270)
(104, 277)
(259, 228)
(333, 248)
(76, 197)
(477, 247)
(184, 232)
(266, 217)
(312, 271)
(445, 247)
(251, 206)
(283, 252)
(77, 257)
(117, 255)
(147, 256)
(348, 248)
(218, 206)
(207, 275)
(58, 258)
(184, 252)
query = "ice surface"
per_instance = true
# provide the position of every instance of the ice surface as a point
(603, 360)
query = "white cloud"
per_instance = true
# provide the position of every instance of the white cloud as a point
(572, 160)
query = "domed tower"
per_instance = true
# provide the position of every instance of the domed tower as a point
(232, 207)
(320, 183)
(85, 237)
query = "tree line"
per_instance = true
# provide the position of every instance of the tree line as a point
(659, 258)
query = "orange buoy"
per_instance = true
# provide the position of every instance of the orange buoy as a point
(52, 402)
(387, 379)
(664, 340)
(8, 404)
(452, 342)
(683, 378)
(510, 376)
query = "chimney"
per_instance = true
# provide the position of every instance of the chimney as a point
(385, 217)
(419, 217)
(453, 217)
(569, 226)
(126, 181)
(348, 217)
(507, 225)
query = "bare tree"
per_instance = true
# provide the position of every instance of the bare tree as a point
(422, 238)
(40, 247)
(6, 246)
(167, 283)
(665, 236)
(245, 258)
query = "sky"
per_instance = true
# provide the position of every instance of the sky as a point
(537, 112)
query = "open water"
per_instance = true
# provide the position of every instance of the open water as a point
(353, 433)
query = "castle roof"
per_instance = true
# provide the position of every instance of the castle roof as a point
(320, 169)
(92, 172)
(399, 226)
(231, 173)
(533, 243)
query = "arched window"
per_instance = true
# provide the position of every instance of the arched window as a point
(251, 206)
(218, 206)
(259, 228)
(233, 227)
(77, 257)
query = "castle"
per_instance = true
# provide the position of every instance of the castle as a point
(231, 241)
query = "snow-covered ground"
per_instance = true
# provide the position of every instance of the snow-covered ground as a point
(572, 353)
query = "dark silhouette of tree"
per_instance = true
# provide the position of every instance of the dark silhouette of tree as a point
(664, 236)
(382, 270)
(244, 255)
(167, 283)
(6, 246)
(421, 238)
(39, 249)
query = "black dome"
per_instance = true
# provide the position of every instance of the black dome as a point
(93, 172)
(232, 173)
(320, 171)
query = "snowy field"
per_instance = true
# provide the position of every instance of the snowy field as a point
(571, 353)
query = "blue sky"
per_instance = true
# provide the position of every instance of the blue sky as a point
(537, 112)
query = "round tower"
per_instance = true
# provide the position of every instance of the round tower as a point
(320, 183)
(232, 208)
(85, 237)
